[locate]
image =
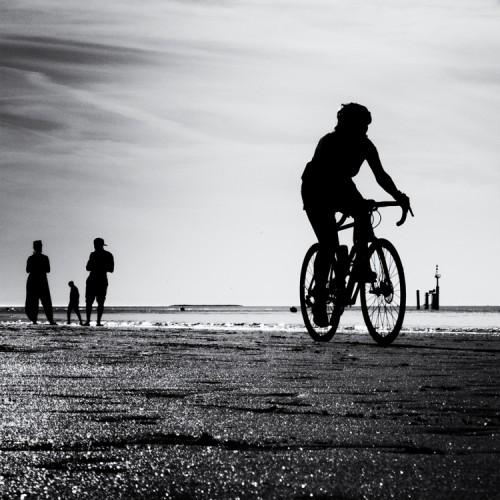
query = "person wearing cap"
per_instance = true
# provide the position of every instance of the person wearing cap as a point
(328, 187)
(100, 263)
(37, 285)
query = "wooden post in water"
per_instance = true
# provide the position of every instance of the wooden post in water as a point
(418, 300)
(426, 305)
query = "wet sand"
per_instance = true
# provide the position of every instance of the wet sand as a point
(136, 413)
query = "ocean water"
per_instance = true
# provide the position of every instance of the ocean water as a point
(468, 319)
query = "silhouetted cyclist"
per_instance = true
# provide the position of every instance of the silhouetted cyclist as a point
(327, 187)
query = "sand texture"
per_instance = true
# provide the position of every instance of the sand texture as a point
(138, 413)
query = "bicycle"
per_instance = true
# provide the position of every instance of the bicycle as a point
(383, 298)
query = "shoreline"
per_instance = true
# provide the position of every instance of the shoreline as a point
(412, 307)
(240, 327)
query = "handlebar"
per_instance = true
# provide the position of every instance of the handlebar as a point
(374, 205)
(405, 209)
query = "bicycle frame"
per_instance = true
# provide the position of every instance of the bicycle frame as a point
(351, 290)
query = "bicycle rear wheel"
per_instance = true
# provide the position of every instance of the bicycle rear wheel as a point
(307, 293)
(383, 301)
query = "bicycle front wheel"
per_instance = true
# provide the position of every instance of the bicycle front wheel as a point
(383, 301)
(307, 294)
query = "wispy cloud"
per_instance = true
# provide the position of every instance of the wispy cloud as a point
(190, 121)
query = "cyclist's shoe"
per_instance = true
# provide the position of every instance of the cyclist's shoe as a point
(319, 314)
(369, 276)
(366, 274)
(340, 293)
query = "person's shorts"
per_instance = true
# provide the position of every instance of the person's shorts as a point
(95, 290)
(342, 196)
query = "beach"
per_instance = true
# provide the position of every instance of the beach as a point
(199, 412)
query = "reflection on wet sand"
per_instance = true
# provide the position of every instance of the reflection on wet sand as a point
(211, 413)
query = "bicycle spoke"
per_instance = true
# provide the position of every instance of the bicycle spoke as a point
(383, 302)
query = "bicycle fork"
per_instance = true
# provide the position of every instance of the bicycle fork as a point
(384, 286)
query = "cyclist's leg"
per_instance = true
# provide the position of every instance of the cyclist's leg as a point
(353, 204)
(322, 219)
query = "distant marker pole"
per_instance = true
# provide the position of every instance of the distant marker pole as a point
(437, 276)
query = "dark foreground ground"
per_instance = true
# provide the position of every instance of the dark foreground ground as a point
(101, 413)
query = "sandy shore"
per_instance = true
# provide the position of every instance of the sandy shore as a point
(131, 413)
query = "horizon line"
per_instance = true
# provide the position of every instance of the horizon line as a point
(20, 306)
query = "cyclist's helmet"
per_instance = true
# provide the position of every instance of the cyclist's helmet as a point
(353, 113)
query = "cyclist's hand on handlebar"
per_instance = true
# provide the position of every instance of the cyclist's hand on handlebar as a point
(369, 205)
(404, 201)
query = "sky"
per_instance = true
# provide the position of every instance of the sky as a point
(178, 132)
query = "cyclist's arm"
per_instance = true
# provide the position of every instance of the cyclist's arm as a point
(382, 177)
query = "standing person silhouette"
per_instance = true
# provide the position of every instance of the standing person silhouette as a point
(327, 187)
(100, 263)
(37, 285)
(74, 302)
